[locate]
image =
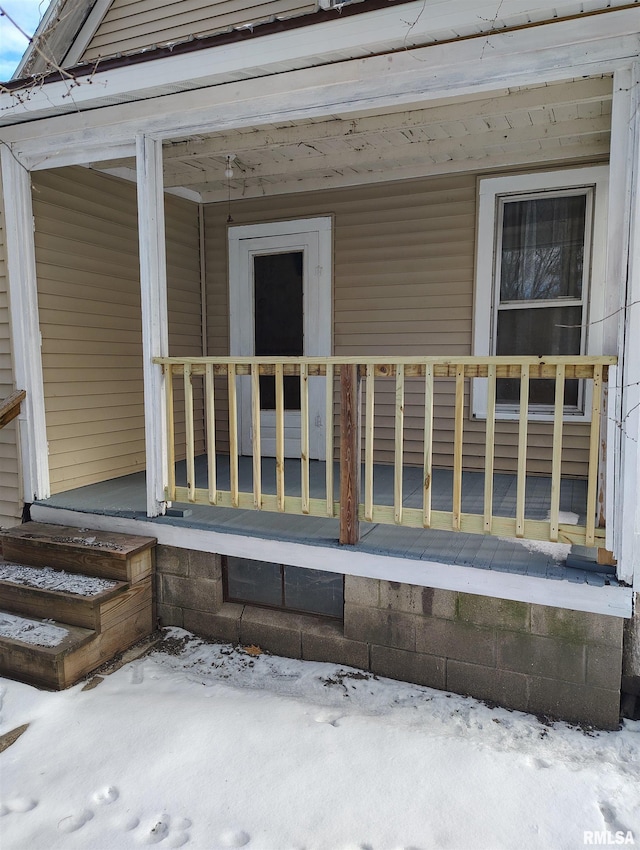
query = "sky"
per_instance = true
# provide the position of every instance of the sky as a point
(27, 14)
(209, 746)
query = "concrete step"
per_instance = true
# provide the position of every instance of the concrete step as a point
(123, 557)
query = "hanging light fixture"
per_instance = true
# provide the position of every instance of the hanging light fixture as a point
(228, 173)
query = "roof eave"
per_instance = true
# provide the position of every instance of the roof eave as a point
(55, 37)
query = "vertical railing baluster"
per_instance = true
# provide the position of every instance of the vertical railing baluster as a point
(189, 437)
(427, 469)
(523, 421)
(399, 445)
(457, 449)
(368, 444)
(210, 408)
(594, 452)
(556, 455)
(233, 433)
(304, 435)
(280, 493)
(171, 433)
(489, 450)
(255, 436)
(329, 438)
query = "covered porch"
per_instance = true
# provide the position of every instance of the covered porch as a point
(450, 432)
(538, 526)
(415, 448)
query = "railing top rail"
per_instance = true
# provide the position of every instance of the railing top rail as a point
(10, 406)
(462, 360)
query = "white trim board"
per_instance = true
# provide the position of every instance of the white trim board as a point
(407, 24)
(155, 324)
(88, 30)
(629, 363)
(578, 44)
(614, 601)
(25, 326)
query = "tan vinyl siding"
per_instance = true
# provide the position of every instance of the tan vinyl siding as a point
(404, 257)
(89, 301)
(133, 25)
(10, 493)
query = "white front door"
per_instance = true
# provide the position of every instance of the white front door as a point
(280, 305)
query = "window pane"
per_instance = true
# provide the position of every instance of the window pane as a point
(254, 581)
(279, 320)
(543, 248)
(313, 590)
(539, 331)
(281, 586)
(291, 387)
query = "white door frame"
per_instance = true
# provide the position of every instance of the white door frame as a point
(312, 236)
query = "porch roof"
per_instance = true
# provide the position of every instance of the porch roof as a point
(337, 68)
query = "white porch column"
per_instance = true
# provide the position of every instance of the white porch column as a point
(25, 325)
(155, 337)
(624, 267)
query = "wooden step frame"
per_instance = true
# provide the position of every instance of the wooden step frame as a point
(115, 556)
(128, 618)
(100, 626)
(95, 612)
(42, 665)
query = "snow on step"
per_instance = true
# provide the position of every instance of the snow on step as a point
(46, 578)
(110, 555)
(31, 631)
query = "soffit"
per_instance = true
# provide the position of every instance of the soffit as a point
(521, 125)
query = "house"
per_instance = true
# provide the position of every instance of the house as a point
(340, 303)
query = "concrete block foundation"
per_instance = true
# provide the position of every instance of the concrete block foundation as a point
(549, 661)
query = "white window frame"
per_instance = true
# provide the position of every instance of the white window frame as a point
(491, 192)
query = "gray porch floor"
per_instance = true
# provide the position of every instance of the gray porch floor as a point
(126, 496)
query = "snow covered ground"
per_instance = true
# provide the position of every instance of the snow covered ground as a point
(206, 746)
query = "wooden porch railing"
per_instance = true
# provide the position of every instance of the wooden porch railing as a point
(10, 407)
(353, 372)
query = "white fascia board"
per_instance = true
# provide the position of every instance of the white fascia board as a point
(131, 176)
(54, 8)
(408, 24)
(92, 152)
(81, 42)
(614, 601)
(556, 51)
(389, 28)
(463, 69)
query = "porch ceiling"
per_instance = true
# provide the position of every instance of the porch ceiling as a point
(569, 120)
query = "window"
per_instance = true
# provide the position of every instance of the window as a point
(539, 282)
(282, 586)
